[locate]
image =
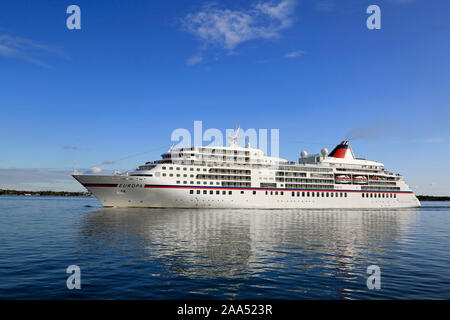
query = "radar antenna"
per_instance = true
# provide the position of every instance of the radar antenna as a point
(75, 167)
(235, 138)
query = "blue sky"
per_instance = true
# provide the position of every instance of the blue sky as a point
(137, 70)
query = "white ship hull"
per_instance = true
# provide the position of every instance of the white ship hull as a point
(120, 191)
(237, 177)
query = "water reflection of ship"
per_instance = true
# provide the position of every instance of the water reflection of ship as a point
(241, 243)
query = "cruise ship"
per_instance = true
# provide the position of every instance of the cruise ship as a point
(244, 177)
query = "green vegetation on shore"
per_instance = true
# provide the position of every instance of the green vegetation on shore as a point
(433, 198)
(42, 193)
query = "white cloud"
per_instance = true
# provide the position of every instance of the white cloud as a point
(95, 170)
(229, 28)
(294, 54)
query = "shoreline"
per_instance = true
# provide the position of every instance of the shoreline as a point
(46, 193)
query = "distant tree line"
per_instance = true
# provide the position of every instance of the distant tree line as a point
(433, 198)
(43, 193)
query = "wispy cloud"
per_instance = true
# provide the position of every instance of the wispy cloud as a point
(70, 148)
(27, 50)
(325, 5)
(37, 179)
(429, 140)
(433, 140)
(402, 1)
(108, 162)
(294, 54)
(195, 59)
(228, 28)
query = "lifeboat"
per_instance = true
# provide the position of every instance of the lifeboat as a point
(342, 179)
(360, 179)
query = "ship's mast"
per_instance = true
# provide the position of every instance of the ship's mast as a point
(235, 138)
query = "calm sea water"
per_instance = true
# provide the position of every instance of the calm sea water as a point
(220, 254)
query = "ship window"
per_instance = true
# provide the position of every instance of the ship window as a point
(184, 175)
(230, 192)
(242, 192)
(198, 182)
(211, 191)
(198, 191)
(266, 193)
(332, 194)
(383, 195)
(184, 182)
(340, 194)
(205, 182)
(312, 193)
(198, 169)
(303, 193)
(191, 169)
(164, 168)
(217, 192)
(191, 191)
(178, 168)
(224, 192)
(362, 194)
(184, 169)
(205, 191)
(271, 193)
(254, 192)
(164, 174)
(391, 195)
(323, 194)
(170, 168)
(192, 182)
(282, 193)
(371, 195)
(217, 183)
(345, 194)
(178, 175)
(293, 193)
(395, 196)
(191, 175)
(328, 194)
(307, 194)
(276, 193)
(204, 169)
(178, 182)
(171, 175)
(298, 194)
